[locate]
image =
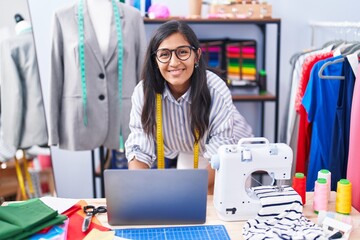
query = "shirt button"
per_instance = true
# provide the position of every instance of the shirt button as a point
(101, 97)
(101, 76)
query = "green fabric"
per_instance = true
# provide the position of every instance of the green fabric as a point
(21, 220)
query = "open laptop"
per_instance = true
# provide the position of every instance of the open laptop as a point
(156, 196)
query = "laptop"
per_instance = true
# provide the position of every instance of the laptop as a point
(156, 196)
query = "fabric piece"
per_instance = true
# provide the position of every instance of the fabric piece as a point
(21, 220)
(76, 217)
(339, 150)
(280, 217)
(274, 201)
(354, 154)
(290, 224)
(319, 101)
(304, 136)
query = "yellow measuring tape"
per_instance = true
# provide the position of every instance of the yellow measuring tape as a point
(20, 179)
(160, 140)
(20, 176)
(27, 174)
(159, 135)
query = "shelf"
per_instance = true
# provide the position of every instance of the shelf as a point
(252, 98)
(215, 20)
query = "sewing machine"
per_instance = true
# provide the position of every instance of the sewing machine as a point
(234, 165)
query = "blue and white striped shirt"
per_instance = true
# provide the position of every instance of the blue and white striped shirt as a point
(226, 125)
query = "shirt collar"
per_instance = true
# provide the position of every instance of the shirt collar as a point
(184, 97)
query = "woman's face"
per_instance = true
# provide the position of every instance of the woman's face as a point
(176, 72)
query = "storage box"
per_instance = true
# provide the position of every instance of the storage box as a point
(241, 10)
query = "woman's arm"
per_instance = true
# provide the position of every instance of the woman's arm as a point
(136, 164)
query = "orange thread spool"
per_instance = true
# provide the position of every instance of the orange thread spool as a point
(320, 195)
(299, 185)
(343, 196)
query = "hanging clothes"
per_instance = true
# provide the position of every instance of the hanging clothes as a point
(353, 165)
(22, 109)
(319, 101)
(304, 136)
(339, 148)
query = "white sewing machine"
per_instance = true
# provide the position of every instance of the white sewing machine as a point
(234, 165)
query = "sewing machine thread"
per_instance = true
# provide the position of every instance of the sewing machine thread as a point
(343, 196)
(324, 173)
(299, 185)
(320, 195)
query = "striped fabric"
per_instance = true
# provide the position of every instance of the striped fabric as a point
(280, 217)
(226, 125)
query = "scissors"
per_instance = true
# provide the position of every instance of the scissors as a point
(90, 212)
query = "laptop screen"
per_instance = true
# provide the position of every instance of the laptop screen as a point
(156, 196)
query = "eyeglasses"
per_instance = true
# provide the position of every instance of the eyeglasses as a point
(183, 53)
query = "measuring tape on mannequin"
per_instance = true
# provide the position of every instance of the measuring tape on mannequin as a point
(81, 50)
(160, 140)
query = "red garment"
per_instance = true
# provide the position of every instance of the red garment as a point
(76, 217)
(304, 136)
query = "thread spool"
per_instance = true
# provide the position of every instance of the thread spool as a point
(324, 173)
(299, 185)
(343, 197)
(320, 195)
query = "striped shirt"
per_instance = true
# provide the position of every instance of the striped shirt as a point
(281, 217)
(226, 125)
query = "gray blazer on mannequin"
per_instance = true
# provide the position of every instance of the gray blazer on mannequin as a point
(66, 125)
(22, 109)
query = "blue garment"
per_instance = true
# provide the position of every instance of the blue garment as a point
(339, 150)
(319, 101)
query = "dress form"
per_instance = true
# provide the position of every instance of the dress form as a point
(100, 12)
(21, 25)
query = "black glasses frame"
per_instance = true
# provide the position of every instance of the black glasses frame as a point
(174, 50)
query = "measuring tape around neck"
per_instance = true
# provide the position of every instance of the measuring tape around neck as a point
(82, 62)
(160, 140)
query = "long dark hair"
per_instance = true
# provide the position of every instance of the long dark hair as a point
(154, 82)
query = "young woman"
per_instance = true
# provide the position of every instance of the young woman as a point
(196, 112)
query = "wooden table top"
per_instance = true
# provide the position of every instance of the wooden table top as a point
(234, 229)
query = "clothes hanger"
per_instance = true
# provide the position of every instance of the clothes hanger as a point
(336, 61)
(333, 43)
(352, 48)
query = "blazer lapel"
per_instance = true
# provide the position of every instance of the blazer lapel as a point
(113, 35)
(90, 39)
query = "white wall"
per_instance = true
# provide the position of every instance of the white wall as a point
(295, 36)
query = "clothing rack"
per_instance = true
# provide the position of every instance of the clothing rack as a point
(325, 24)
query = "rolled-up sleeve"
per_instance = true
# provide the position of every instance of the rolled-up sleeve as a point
(138, 144)
(226, 125)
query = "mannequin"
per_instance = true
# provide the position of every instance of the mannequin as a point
(21, 25)
(22, 109)
(84, 109)
(100, 12)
